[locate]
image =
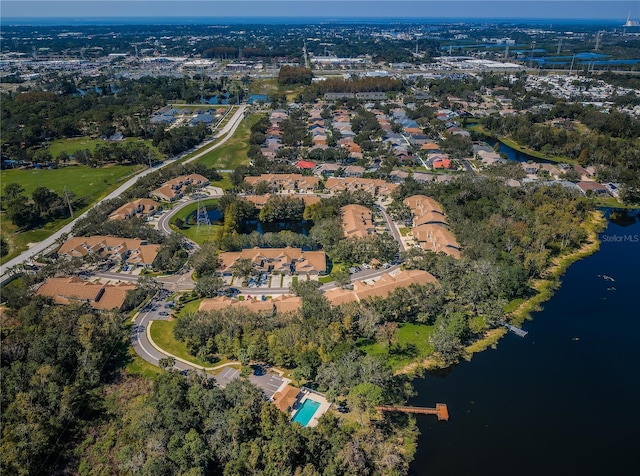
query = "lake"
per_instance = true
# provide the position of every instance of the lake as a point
(562, 400)
(513, 154)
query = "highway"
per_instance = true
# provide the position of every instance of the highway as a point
(227, 131)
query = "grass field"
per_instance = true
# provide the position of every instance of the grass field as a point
(234, 151)
(206, 233)
(263, 86)
(79, 143)
(412, 344)
(88, 182)
(162, 335)
(81, 180)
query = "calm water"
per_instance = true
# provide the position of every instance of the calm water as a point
(516, 155)
(563, 400)
(214, 215)
(296, 226)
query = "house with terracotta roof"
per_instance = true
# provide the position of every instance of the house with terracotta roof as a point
(74, 289)
(280, 182)
(260, 200)
(441, 163)
(143, 207)
(430, 226)
(431, 147)
(283, 260)
(375, 187)
(124, 250)
(381, 288)
(354, 171)
(436, 238)
(286, 398)
(279, 304)
(357, 221)
(174, 189)
(305, 165)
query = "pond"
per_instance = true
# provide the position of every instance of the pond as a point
(297, 226)
(214, 215)
(247, 226)
(516, 155)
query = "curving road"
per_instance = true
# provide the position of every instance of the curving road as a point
(49, 242)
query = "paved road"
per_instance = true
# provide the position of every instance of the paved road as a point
(392, 227)
(268, 382)
(49, 242)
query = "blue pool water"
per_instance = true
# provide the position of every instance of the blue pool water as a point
(306, 412)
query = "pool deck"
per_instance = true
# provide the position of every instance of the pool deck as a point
(316, 397)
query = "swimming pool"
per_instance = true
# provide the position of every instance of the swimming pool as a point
(306, 411)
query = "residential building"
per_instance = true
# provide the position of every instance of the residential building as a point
(124, 250)
(74, 289)
(260, 200)
(357, 221)
(281, 304)
(375, 187)
(280, 182)
(430, 226)
(283, 260)
(286, 398)
(142, 207)
(174, 189)
(381, 288)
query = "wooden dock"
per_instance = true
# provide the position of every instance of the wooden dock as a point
(440, 410)
(516, 330)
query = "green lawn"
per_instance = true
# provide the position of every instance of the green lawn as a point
(412, 345)
(206, 233)
(234, 151)
(224, 183)
(162, 335)
(139, 366)
(81, 180)
(404, 231)
(191, 306)
(79, 143)
(88, 182)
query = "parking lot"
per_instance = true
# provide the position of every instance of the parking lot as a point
(227, 375)
(266, 381)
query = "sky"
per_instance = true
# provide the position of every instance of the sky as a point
(336, 9)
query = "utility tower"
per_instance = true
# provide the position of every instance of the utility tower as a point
(66, 196)
(202, 217)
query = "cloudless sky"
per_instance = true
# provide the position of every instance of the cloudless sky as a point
(338, 9)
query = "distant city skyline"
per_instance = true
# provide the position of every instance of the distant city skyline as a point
(78, 10)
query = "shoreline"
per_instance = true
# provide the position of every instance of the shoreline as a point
(545, 289)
